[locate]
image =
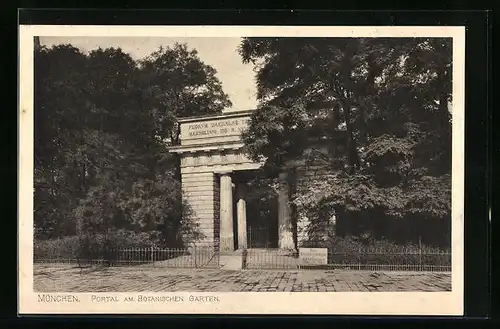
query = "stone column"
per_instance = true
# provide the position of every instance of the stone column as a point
(242, 216)
(226, 213)
(285, 230)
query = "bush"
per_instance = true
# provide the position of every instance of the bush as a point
(93, 246)
(61, 248)
(353, 250)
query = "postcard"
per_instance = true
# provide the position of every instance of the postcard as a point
(241, 170)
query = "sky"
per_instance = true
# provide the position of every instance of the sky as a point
(220, 53)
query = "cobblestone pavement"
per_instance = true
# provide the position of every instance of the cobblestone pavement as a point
(132, 279)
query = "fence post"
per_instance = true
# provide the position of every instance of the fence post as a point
(359, 259)
(249, 242)
(194, 256)
(152, 256)
(420, 252)
(244, 259)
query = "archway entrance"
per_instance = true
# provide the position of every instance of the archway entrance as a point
(261, 200)
(262, 215)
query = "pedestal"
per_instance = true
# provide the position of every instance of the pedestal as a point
(285, 229)
(242, 215)
(226, 213)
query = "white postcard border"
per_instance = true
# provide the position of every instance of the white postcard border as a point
(353, 303)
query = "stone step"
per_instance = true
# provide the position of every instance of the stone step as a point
(230, 261)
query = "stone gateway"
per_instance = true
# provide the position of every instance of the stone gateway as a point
(214, 172)
(211, 161)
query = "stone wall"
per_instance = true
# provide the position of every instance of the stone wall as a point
(201, 191)
(216, 222)
(316, 169)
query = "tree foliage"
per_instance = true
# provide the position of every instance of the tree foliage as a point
(102, 123)
(175, 83)
(387, 98)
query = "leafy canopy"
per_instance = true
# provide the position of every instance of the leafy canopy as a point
(379, 106)
(102, 121)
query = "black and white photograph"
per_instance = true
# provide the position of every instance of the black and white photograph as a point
(171, 170)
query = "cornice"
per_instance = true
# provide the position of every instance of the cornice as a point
(206, 147)
(234, 114)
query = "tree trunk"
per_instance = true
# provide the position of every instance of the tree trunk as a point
(292, 183)
(444, 119)
(352, 149)
(176, 135)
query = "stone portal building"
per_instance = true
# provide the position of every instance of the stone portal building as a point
(214, 171)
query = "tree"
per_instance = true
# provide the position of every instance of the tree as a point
(57, 94)
(102, 121)
(176, 83)
(389, 97)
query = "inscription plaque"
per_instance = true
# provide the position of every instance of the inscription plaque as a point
(313, 256)
(214, 129)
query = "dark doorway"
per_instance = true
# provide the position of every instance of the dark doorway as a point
(262, 214)
(235, 219)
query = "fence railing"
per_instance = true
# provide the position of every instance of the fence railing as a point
(150, 257)
(202, 257)
(259, 237)
(361, 259)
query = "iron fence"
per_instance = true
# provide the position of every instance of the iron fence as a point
(253, 258)
(150, 257)
(362, 259)
(259, 237)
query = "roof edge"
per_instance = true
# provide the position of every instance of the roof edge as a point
(232, 114)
